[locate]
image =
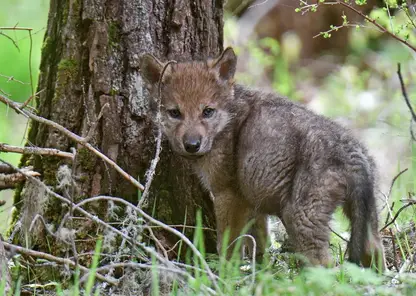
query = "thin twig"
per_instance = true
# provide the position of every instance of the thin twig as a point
(152, 169)
(32, 88)
(12, 78)
(404, 92)
(31, 98)
(15, 106)
(390, 209)
(393, 242)
(394, 180)
(95, 123)
(35, 151)
(162, 248)
(16, 28)
(11, 39)
(339, 235)
(410, 203)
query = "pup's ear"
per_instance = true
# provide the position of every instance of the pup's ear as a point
(150, 69)
(225, 65)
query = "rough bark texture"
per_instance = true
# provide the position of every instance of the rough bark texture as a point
(90, 54)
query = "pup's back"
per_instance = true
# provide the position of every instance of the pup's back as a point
(300, 166)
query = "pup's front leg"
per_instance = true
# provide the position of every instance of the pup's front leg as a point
(232, 213)
(258, 231)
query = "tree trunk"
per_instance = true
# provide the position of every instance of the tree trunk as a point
(89, 59)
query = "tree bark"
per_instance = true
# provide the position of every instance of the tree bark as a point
(89, 59)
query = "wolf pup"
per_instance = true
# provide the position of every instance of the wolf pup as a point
(260, 154)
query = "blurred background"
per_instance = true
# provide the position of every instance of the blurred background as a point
(327, 58)
(15, 75)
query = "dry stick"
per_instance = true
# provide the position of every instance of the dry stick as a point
(16, 28)
(35, 150)
(162, 248)
(30, 64)
(411, 203)
(63, 261)
(94, 125)
(73, 137)
(393, 242)
(384, 30)
(394, 180)
(404, 92)
(11, 78)
(11, 39)
(388, 196)
(339, 235)
(25, 103)
(157, 222)
(152, 169)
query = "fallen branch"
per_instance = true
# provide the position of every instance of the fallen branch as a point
(35, 151)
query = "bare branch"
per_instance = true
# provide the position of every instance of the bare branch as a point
(35, 150)
(152, 169)
(11, 39)
(410, 203)
(404, 92)
(16, 28)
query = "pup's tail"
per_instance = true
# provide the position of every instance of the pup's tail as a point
(365, 245)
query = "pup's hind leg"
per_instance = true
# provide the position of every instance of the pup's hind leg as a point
(308, 214)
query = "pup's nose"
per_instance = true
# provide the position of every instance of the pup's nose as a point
(192, 143)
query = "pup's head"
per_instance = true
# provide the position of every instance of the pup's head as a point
(195, 99)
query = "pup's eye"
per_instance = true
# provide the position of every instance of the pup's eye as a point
(174, 113)
(208, 112)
